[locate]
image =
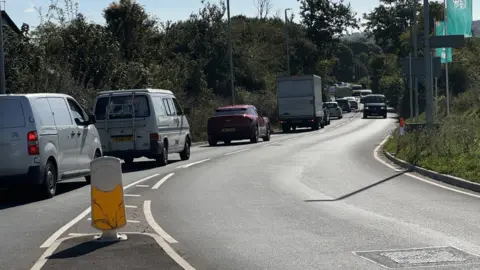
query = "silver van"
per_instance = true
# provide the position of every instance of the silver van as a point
(142, 123)
(45, 138)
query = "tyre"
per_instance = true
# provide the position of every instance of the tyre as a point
(365, 116)
(285, 129)
(385, 116)
(316, 125)
(227, 142)
(255, 135)
(185, 154)
(128, 160)
(294, 128)
(212, 141)
(50, 179)
(162, 159)
(266, 138)
(88, 178)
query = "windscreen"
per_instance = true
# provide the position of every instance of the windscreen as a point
(331, 105)
(11, 114)
(122, 107)
(357, 94)
(374, 99)
(342, 101)
(222, 112)
(366, 92)
(356, 87)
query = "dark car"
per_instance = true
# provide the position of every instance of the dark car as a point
(353, 102)
(374, 105)
(344, 104)
(237, 122)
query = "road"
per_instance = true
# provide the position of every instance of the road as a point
(307, 200)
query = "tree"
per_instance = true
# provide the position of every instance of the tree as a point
(264, 7)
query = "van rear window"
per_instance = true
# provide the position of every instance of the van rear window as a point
(122, 107)
(11, 113)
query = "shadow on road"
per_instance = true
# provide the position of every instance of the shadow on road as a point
(235, 143)
(18, 196)
(80, 250)
(143, 165)
(362, 189)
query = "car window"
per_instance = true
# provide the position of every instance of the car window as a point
(122, 107)
(252, 111)
(60, 110)
(11, 113)
(331, 105)
(158, 105)
(374, 99)
(177, 106)
(233, 111)
(42, 107)
(169, 106)
(76, 110)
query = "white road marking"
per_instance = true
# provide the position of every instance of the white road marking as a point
(128, 221)
(67, 226)
(151, 221)
(131, 195)
(145, 186)
(51, 248)
(193, 163)
(375, 155)
(131, 206)
(161, 181)
(171, 252)
(235, 152)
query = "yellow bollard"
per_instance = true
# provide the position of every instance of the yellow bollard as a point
(107, 200)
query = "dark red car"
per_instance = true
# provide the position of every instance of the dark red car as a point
(237, 122)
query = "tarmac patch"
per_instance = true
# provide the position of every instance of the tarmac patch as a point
(420, 257)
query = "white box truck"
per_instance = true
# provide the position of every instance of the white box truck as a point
(300, 102)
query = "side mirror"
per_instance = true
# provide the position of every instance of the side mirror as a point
(92, 119)
(187, 111)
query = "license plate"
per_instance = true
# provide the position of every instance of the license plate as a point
(122, 139)
(228, 129)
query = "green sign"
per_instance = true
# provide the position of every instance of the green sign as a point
(445, 54)
(459, 17)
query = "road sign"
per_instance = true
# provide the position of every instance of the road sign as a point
(107, 200)
(450, 41)
(418, 67)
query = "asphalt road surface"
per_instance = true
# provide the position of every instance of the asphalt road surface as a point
(305, 200)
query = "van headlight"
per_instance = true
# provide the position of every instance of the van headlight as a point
(383, 108)
(366, 107)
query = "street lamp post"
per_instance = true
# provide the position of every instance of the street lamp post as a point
(2, 61)
(287, 41)
(230, 57)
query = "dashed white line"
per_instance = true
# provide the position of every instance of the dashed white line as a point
(128, 220)
(67, 226)
(193, 163)
(151, 221)
(161, 181)
(236, 152)
(131, 195)
(144, 186)
(375, 155)
(131, 206)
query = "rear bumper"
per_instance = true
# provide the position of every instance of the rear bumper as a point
(156, 148)
(305, 122)
(32, 177)
(242, 134)
(373, 112)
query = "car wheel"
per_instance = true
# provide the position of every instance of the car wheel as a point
(254, 139)
(212, 141)
(50, 178)
(266, 138)
(365, 116)
(128, 160)
(227, 142)
(285, 129)
(162, 159)
(88, 178)
(294, 128)
(385, 116)
(185, 154)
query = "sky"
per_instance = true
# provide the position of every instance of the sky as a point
(24, 11)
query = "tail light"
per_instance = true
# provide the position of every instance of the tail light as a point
(32, 143)
(281, 121)
(313, 120)
(154, 137)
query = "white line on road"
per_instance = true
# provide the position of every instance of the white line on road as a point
(236, 152)
(145, 186)
(131, 206)
(128, 221)
(151, 221)
(131, 195)
(193, 163)
(375, 155)
(67, 226)
(161, 181)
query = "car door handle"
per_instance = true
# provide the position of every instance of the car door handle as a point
(73, 133)
(79, 133)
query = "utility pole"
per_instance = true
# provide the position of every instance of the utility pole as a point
(287, 42)
(428, 65)
(415, 55)
(2, 60)
(230, 57)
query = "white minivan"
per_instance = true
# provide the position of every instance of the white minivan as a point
(45, 138)
(142, 123)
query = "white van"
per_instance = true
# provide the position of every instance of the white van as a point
(142, 123)
(45, 138)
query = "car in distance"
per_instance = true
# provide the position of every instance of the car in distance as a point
(374, 105)
(333, 109)
(326, 113)
(344, 104)
(353, 102)
(45, 138)
(237, 122)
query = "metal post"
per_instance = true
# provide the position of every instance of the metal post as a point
(2, 60)
(445, 20)
(415, 55)
(428, 64)
(230, 57)
(287, 42)
(410, 83)
(436, 99)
